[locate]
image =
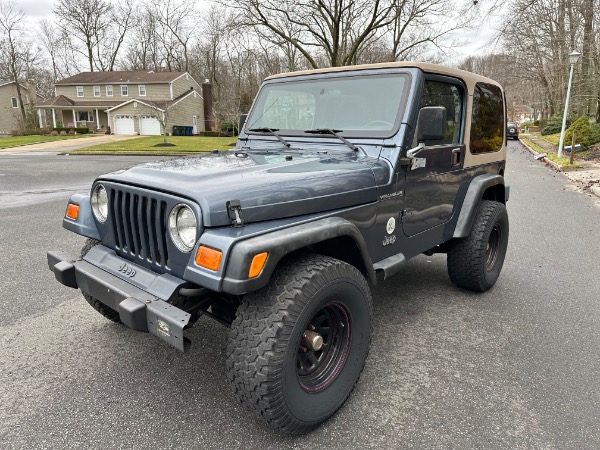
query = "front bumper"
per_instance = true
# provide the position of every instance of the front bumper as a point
(139, 295)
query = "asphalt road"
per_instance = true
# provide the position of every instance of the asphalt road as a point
(516, 367)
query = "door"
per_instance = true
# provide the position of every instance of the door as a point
(149, 126)
(431, 187)
(124, 125)
(195, 124)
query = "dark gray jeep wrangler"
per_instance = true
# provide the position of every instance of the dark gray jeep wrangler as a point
(338, 178)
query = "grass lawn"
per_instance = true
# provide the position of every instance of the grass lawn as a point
(184, 145)
(14, 141)
(552, 138)
(564, 162)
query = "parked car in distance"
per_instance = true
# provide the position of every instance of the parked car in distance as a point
(512, 130)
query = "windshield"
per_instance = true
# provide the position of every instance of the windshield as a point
(361, 106)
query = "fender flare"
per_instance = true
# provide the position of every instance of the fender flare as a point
(474, 194)
(282, 242)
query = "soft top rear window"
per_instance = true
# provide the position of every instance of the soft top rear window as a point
(487, 119)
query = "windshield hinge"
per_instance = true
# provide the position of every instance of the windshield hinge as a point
(234, 210)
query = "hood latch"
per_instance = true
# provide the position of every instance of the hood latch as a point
(234, 210)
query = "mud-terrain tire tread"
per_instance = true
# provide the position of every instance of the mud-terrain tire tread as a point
(466, 256)
(106, 311)
(262, 328)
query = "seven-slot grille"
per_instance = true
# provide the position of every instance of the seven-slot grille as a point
(139, 225)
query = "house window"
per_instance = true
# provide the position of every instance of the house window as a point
(124, 91)
(96, 91)
(142, 90)
(109, 91)
(14, 102)
(79, 91)
(85, 116)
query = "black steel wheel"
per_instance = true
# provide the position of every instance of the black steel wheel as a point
(297, 347)
(475, 262)
(318, 365)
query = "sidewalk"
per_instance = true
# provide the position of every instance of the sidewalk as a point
(66, 145)
(586, 179)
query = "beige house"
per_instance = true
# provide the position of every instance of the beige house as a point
(126, 102)
(10, 109)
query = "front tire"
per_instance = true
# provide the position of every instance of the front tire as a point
(475, 262)
(274, 359)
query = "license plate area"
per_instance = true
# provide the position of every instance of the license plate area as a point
(167, 322)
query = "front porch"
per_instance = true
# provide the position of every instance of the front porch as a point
(77, 117)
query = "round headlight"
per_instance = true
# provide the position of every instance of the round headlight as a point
(182, 227)
(100, 203)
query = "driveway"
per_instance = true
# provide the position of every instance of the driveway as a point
(67, 145)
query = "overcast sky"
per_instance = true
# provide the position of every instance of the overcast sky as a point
(479, 40)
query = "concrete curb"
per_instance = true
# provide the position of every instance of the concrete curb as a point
(596, 191)
(551, 163)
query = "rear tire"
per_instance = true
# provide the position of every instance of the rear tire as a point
(106, 311)
(475, 262)
(274, 372)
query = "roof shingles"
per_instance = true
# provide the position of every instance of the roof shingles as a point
(124, 76)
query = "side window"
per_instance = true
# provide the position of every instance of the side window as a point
(487, 120)
(449, 96)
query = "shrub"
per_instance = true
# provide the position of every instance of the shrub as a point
(54, 133)
(213, 134)
(582, 132)
(230, 126)
(27, 131)
(594, 134)
(78, 130)
(553, 126)
(71, 132)
(63, 133)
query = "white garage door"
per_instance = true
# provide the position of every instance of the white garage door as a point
(124, 125)
(149, 126)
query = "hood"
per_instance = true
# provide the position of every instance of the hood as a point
(270, 185)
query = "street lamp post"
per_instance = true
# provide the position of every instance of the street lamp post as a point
(573, 58)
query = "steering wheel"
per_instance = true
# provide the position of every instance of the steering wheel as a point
(379, 122)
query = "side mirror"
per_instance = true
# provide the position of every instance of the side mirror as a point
(431, 125)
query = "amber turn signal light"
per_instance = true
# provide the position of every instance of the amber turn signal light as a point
(72, 211)
(258, 262)
(209, 258)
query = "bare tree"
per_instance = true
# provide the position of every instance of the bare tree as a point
(11, 23)
(341, 30)
(176, 20)
(88, 21)
(111, 40)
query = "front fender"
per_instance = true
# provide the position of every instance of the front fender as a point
(282, 242)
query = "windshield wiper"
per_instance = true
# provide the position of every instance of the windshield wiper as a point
(272, 132)
(335, 133)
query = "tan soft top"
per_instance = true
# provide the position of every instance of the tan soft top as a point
(469, 77)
